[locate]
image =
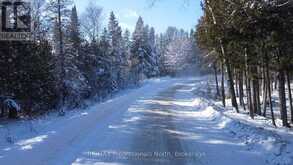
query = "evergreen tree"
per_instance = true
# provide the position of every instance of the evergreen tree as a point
(74, 29)
(127, 44)
(27, 74)
(60, 13)
(77, 87)
(119, 61)
(137, 52)
(153, 69)
(105, 62)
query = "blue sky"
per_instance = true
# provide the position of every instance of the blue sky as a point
(165, 13)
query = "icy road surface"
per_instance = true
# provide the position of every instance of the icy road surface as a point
(165, 122)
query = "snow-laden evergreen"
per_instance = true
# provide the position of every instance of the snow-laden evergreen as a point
(80, 61)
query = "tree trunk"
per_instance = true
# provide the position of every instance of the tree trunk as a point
(290, 94)
(241, 91)
(253, 94)
(223, 85)
(269, 88)
(216, 79)
(282, 97)
(248, 84)
(246, 81)
(231, 85)
(236, 82)
(248, 91)
(270, 96)
(258, 110)
(265, 94)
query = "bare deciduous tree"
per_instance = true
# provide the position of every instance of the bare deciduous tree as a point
(91, 21)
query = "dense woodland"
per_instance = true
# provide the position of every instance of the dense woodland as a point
(249, 43)
(72, 58)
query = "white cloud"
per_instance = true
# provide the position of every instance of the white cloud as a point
(130, 14)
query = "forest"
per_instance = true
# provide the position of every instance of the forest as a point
(249, 43)
(72, 58)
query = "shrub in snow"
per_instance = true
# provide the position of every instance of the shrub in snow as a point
(11, 106)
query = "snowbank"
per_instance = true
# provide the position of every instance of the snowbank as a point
(275, 145)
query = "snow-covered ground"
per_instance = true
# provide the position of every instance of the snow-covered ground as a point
(166, 121)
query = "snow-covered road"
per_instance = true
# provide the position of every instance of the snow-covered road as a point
(164, 122)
